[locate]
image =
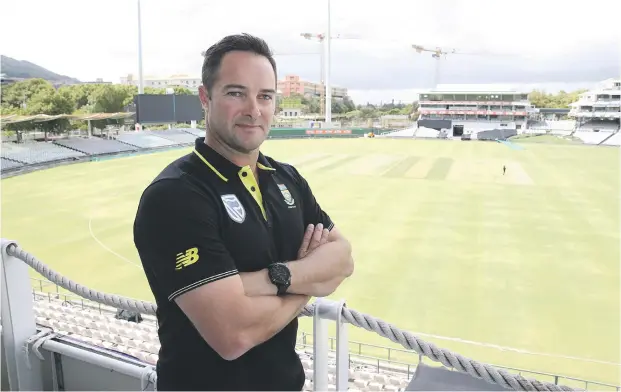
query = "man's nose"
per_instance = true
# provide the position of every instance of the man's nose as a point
(252, 108)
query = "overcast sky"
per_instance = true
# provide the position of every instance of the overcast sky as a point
(526, 43)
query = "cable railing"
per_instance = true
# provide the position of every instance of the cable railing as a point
(322, 311)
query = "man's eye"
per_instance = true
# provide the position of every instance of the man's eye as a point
(267, 97)
(235, 93)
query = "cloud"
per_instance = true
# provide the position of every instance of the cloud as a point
(526, 42)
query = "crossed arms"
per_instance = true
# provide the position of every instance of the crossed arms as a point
(232, 311)
(239, 312)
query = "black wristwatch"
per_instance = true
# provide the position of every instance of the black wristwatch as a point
(280, 276)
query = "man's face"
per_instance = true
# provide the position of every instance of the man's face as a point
(242, 102)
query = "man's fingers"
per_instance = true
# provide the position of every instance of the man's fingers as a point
(324, 236)
(306, 240)
(316, 236)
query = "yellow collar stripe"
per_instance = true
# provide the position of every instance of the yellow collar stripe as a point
(262, 166)
(210, 166)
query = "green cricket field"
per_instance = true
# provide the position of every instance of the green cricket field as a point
(445, 245)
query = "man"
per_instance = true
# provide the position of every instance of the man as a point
(233, 243)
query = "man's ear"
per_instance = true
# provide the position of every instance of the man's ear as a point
(204, 97)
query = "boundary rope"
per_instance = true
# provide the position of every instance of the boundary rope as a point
(351, 316)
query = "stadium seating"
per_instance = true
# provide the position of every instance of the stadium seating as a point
(144, 140)
(140, 340)
(37, 152)
(614, 140)
(194, 131)
(8, 164)
(174, 135)
(591, 137)
(593, 125)
(94, 145)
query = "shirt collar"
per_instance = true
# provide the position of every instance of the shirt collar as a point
(221, 166)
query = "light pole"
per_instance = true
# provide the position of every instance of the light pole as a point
(326, 89)
(327, 73)
(140, 85)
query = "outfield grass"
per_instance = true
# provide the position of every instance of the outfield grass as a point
(444, 243)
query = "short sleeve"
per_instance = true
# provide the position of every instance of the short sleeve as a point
(313, 213)
(177, 237)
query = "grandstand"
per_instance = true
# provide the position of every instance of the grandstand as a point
(468, 109)
(18, 157)
(145, 139)
(599, 110)
(94, 145)
(37, 152)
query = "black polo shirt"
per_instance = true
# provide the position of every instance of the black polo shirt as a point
(203, 219)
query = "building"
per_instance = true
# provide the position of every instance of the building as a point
(292, 84)
(472, 108)
(188, 81)
(600, 108)
(96, 81)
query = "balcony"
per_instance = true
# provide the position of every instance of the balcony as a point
(58, 335)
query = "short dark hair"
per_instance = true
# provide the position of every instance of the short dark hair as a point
(237, 42)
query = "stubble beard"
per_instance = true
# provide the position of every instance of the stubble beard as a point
(227, 138)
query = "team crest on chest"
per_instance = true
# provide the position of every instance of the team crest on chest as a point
(234, 208)
(286, 194)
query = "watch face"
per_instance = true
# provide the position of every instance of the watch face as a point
(280, 274)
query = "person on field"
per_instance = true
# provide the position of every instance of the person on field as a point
(233, 242)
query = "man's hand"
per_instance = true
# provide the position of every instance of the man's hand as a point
(324, 261)
(314, 237)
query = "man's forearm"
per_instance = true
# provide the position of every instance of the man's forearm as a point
(318, 274)
(269, 315)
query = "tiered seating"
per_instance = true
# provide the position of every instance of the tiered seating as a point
(137, 340)
(141, 342)
(94, 145)
(7, 164)
(144, 140)
(591, 137)
(615, 140)
(610, 126)
(37, 152)
(175, 135)
(193, 131)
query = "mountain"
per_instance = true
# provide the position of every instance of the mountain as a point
(25, 69)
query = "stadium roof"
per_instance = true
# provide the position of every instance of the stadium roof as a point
(14, 118)
(554, 110)
(474, 88)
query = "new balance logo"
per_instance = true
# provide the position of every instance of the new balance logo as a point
(188, 258)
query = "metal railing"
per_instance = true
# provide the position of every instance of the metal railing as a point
(19, 321)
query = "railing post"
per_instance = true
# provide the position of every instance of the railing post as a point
(320, 349)
(342, 350)
(326, 309)
(18, 323)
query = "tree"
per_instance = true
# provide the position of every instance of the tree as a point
(54, 103)
(17, 95)
(562, 99)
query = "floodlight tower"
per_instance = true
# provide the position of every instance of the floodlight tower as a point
(326, 89)
(140, 81)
